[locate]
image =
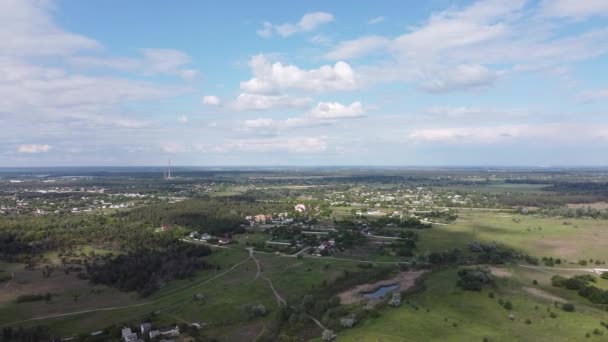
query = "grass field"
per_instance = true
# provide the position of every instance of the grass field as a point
(447, 313)
(224, 308)
(578, 239)
(227, 297)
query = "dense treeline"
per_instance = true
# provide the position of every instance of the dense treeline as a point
(212, 216)
(146, 269)
(596, 188)
(579, 212)
(581, 283)
(34, 334)
(26, 235)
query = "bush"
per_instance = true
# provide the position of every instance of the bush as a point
(348, 322)
(395, 300)
(258, 310)
(508, 305)
(328, 335)
(33, 298)
(568, 307)
(473, 279)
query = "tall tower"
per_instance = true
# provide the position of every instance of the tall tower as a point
(169, 170)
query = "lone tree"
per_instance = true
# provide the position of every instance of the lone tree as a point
(568, 307)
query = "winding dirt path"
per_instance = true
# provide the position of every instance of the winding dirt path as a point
(547, 269)
(258, 263)
(280, 300)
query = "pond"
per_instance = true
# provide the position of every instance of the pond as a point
(381, 291)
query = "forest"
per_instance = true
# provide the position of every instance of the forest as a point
(146, 269)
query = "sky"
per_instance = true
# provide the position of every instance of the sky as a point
(209, 83)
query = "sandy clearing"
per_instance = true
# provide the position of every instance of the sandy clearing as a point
(501, 272)
(405, 280)
(543, 294)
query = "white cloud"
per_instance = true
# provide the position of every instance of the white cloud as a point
(459, 78)
(152, 62)
(246, 101)
(474, 113)
(182, 119)
(211, 100)
(173, 147)
(291, 145)
(272, 77)
(130, 123)
(324, 113)
(28, 29)
(574, 8)
(358, 47)
(336, 110)
(481, 22)
(553, 132)
(321, 39)
(33, 148)
(593, 95)
(472, 46)
(307, 23)
(376, 20)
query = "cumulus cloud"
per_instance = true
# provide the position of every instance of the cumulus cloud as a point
(324, 113)
(182, 119)
(336, 110)
(478, 43)
(308, 22)
(211, 100)
(33, 148)
(47, 94)
(246, 101)
(272, 77)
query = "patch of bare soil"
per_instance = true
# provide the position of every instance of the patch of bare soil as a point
(543, 294)
(405, 280)
(501, 272)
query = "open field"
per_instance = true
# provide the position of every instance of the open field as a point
(447, 313)
(224, 307)
(570, 239)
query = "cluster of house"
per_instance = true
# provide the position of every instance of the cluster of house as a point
(281, 218)
(196, 236)
(325, 248)
(146, 331)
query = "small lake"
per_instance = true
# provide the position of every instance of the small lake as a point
(381, 291)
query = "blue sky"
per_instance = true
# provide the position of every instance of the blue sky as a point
(495, 82)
